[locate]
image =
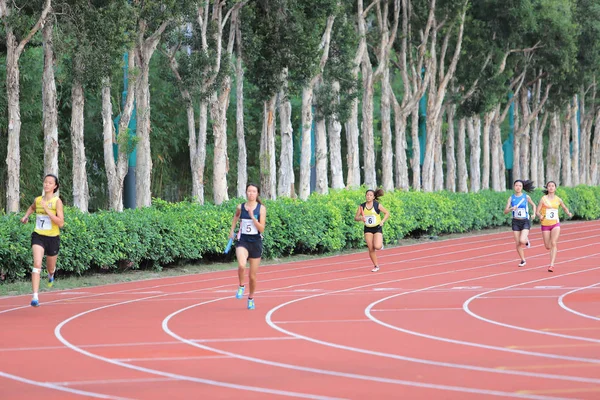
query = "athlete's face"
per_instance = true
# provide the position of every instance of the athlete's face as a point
(49, 184)
(518, 187)
(252, 193)
(370, 196)
(551, 187)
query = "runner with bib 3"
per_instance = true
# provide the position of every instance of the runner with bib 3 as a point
(548, 213)
(518, 204)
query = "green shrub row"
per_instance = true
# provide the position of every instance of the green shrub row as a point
(171, 232)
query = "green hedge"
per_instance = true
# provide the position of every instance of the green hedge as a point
(170, 232)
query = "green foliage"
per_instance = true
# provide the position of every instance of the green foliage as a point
(170, 232)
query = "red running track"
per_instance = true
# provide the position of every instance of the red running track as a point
(454, 319)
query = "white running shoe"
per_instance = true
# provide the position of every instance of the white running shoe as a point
(522, 263)
(375, 269)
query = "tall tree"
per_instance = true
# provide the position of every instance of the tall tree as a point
(17, 25)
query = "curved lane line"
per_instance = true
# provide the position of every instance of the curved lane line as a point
(564, 306)
(61, 388)
(521, 328)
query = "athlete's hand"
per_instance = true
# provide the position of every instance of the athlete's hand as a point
(25, 220)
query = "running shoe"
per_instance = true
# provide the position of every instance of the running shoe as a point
(375, 269)
(522, 263)
(50, 280)
(550, 269)
(35, 303)
(251, 304)
(240, 292)
(528, 245)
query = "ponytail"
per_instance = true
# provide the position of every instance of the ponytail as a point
(527, 185)
(377, 193)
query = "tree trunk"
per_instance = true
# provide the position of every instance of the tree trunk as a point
(595, 158)
(497, 155)
(438, 182)
(305, 151)
(367, 126)
(461, 155)
(335, 147)
(415, 161)
(400, 134)
(553, 158)
(197, 145)
(387, 167)
(322, 183)
(450, 155)
(566, 151)
(242, 160)
(286, 158)
(474, 132)
(525, 137)
(50, 112)
(575, 144)
(115, 173)
(352, 159)
(80, 183)
(13, 154)
(485, 146)
(14, 49)
(218, 113)
(268, 171)
(535, 147)
(144, 156)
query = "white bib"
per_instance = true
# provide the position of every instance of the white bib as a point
(552, 213)
(247, 227)
(43, 223)
(370, 220)
(520, 213)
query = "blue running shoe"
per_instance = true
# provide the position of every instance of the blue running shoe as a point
(251, 304)
(240, 292)
(50, 280)
(35, 303)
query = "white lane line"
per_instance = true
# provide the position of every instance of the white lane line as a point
(170, 358)
(57, 330)
(165, 325)
(54, 386)
(564, 306)
(467, 309)
(114, 381)
(60, 337)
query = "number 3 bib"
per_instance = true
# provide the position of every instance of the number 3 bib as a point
(552, 213)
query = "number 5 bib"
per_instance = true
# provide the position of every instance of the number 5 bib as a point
(248, 227)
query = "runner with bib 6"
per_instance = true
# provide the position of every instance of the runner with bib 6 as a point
(369, 213)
